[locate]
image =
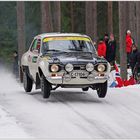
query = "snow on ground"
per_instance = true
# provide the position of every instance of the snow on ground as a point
(9, 126)
(71, 113)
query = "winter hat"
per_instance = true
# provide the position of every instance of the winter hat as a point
(128, 32)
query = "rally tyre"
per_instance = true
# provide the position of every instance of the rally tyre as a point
(27, 82)
(85, 89)
(102, 90)
(45, 87)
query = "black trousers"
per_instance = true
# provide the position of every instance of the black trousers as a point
(128, 58)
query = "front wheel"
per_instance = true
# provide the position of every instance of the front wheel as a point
(45, 87)
(27, 82)
(102, 90)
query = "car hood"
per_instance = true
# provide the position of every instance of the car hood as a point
(73, 57)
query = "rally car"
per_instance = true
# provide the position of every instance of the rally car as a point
(64, 60)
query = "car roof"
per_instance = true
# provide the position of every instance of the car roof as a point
(60, 34)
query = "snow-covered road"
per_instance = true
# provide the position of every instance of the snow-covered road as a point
(71, 113)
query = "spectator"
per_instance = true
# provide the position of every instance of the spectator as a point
(15, 64)
(129, 42)
(111, 50)
(101, 49)
(106, 39)
(133, 57)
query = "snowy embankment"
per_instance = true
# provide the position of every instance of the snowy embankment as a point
(9, 126)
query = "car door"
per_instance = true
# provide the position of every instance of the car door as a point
(33, 57)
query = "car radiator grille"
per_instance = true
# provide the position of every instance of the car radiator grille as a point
(79, 67)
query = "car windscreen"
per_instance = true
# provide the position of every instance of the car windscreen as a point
(70, 44)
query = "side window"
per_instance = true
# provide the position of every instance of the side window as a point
(34, 45)
(38, 44)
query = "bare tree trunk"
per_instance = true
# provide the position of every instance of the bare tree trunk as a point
(91, 19)
(46, 24)
(132, 20)
(21, 33)
(138, 22)
(110, 17)
(21, 28)
(72, 16)
(57, 16)
(122, 33)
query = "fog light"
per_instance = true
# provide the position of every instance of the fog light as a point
(90, 77)
(69, 67)
(67, 77)
(89, 67)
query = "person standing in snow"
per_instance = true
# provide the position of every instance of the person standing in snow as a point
(133, 57)
(15, 64)
(111, 50)
(135, 63)
(101, 49)
(106, 39)
(129, 42)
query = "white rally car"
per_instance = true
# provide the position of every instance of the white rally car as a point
(64, 60)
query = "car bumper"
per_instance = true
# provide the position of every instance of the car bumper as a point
(76, 81)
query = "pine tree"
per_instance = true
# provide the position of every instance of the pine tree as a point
(21, 28)
(57, 16)
(110, 17)
(91, 19)
(122, 32)
(46, 24)
(21, 32)
(138, 22)
(72, 15)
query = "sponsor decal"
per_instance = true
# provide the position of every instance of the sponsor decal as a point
(65, 38)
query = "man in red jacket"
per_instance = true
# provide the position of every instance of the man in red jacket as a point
(129, 42)
(101, 48)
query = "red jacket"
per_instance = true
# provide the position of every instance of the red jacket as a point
(129, 42)
(101, 49)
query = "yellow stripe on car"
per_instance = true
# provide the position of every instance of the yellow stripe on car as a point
(65, 38)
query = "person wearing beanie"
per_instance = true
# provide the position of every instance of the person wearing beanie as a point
(129, 42)
(133, 57)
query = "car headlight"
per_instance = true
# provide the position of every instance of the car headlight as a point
(54, 68)
(101, 68)
(89, 67)
(69, 67)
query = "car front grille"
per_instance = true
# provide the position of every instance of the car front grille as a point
(79, 67)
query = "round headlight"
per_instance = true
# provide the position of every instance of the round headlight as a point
(54, 68)
(89, 67)
(69, 67)
(101, 68)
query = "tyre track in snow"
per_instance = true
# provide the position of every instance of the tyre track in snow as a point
(94, 126)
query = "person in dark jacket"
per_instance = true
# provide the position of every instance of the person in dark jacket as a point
(111, 50)
(106, 39)
(15, 64)
(134, 57)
